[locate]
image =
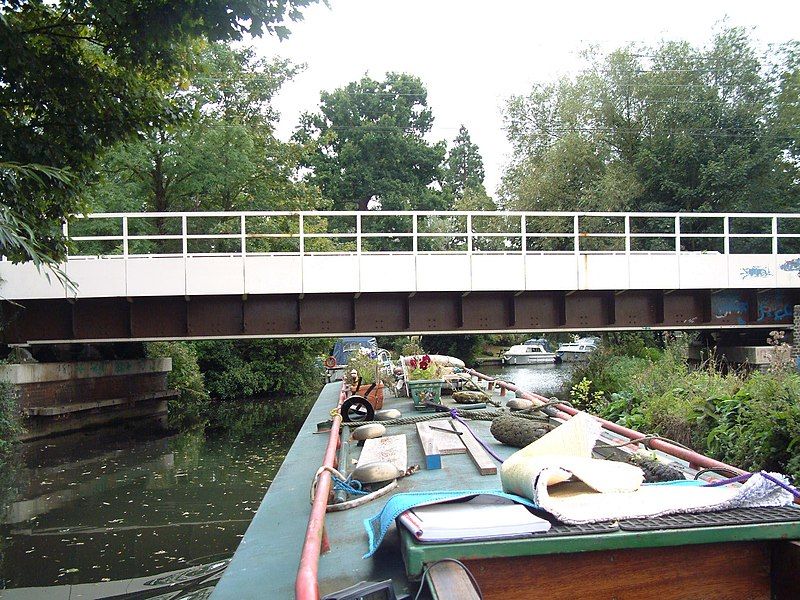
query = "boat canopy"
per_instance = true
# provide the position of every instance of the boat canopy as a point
(344, 347)
(540, 342)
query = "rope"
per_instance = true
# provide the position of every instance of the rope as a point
(349, 485)
(645, 440)
(740, 478)
(474, 415)
(454, 414)
(362, 499)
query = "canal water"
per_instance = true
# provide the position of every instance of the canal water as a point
(126, 503)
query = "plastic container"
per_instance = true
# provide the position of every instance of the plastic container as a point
(425, 390)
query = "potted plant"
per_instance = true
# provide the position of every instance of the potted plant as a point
(424, 382)
(364, 377)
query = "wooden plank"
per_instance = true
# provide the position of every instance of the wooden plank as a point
(450, 582)
(448, 443)
(480, 457)
(709, 571)
(390, 448)
(430, 447)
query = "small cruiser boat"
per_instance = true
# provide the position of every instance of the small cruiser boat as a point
(577, 351)
(532, 352)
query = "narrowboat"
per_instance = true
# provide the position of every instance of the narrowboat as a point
(316, 533)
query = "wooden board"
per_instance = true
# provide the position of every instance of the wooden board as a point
(449, 582)
(430, 448)
(704, 571)
(390, 448)
(448, 443)
(482, 460)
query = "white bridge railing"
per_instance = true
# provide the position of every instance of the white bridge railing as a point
(202, 253)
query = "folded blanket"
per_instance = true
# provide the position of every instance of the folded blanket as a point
(558, 474)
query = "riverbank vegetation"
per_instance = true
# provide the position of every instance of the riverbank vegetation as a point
(238, 384)
(751, 420)
(10, 426)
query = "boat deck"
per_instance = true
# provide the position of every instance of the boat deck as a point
(266, 562)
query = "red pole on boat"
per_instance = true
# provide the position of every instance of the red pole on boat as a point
(567, 412)
(306, 586)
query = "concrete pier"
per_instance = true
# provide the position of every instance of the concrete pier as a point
(67, 396)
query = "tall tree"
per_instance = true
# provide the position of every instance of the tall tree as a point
(367, 145)
(658, 129)
(464, 166)
(79, 75)
(222, 155)
(464, 174)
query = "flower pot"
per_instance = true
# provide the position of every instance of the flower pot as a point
(375, 397)
(425, 390)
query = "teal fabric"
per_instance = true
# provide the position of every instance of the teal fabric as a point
(378, 525)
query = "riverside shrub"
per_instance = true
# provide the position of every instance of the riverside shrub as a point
(749, 420)
(191, 407)
(10, 426)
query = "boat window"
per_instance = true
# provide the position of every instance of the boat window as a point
(534, 349)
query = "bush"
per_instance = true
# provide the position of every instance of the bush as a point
(751, 421)
(191, 407)
(10, 425)
(758, 427)
(243, 369)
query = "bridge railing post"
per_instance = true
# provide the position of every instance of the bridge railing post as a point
(469, 234)
(576, 234)
(775, 236)
(678, 235)
(125, 239)
(726, 239)
(358, 235)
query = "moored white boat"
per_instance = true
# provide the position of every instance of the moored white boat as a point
(532, 352)
(577, 351)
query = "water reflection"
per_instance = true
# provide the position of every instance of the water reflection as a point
(546, 380)
(113, 505)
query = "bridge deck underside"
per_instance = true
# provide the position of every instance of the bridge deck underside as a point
(147, 318)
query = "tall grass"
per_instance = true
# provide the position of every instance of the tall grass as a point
(751, 420)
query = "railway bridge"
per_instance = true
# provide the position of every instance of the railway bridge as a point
(150, 276)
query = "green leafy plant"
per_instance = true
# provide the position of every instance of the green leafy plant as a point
(583, 397)
(367, 367)
(423, 368)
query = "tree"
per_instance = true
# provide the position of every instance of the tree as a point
(670, 128)
(78, 76)
(464, 166)
(367, 147)
(222, 155)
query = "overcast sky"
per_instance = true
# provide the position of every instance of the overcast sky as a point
(473, 55)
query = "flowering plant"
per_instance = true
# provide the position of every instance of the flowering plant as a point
(422, 368)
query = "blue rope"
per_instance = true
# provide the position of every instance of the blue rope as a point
(351, 486)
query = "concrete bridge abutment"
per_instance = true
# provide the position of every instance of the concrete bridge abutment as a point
(61, 397)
